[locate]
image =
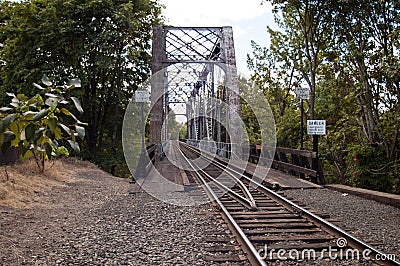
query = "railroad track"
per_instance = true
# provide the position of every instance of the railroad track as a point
(268, 226)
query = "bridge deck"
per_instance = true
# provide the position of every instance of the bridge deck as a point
(171, 169)
(284, 180)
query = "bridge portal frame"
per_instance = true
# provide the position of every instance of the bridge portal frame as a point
(174, 45)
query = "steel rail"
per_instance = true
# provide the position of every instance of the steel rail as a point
(242, 200)
(236, 179)
(252, 254)
(324, 224)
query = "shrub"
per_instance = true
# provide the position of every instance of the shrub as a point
(370, 168)
(40, 127)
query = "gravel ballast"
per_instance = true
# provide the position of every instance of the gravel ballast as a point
(96, 221)
(369, 220)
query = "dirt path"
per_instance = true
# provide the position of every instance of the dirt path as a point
(58, 214)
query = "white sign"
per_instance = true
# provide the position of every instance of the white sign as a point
(142, 96)
(316, 127)
(302, 93)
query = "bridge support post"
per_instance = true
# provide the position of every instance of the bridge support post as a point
(157, 90)
(233, 114)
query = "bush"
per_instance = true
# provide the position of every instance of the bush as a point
(39, 127)
(370, 168)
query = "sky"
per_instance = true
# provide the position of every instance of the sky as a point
(249, 20)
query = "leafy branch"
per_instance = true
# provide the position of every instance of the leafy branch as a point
(40, 127)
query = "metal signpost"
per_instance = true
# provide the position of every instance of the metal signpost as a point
(302, 94)
(316, 128)
(142, 96)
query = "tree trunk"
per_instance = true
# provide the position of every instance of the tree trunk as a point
(105, 109)
(116, 112)
(91, 118)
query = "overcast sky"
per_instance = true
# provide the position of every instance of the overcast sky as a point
(248, 19)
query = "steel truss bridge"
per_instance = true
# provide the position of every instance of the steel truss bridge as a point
(194, 74)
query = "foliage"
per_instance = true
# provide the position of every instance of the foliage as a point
(183, 134)
(369, 167)
(256, 115)
(39, 127)
(174, 127)
(248, 117)
(346, 53)
(104, 43)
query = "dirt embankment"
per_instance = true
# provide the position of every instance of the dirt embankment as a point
(21, 185)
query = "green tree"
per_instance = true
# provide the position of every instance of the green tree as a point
(306, 26)
(104, 43)
(347, 53)
(368, 60)
(275, 76)
(293, 59)
(183, 134)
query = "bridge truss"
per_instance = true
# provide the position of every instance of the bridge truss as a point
(194, 74)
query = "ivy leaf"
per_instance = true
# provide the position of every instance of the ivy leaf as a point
(9, 136)
(52, 121)
(30, 131)
(38, 134)
(49, 134)
(5, 146)
(66, 129)
(41, 114)
(48, 148)
(38, 86)
(22, 97)
(27, 155)
(6, 122)
(65, 111)
(34, 100)
(81, 131)
(57, 133)
(29, 115)
(54, 143)
(51, 95)
(74, 145)
(14, 127)
(5, 109)
(51, 101)
(77, 104)
(46, 81)
(22, 148)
